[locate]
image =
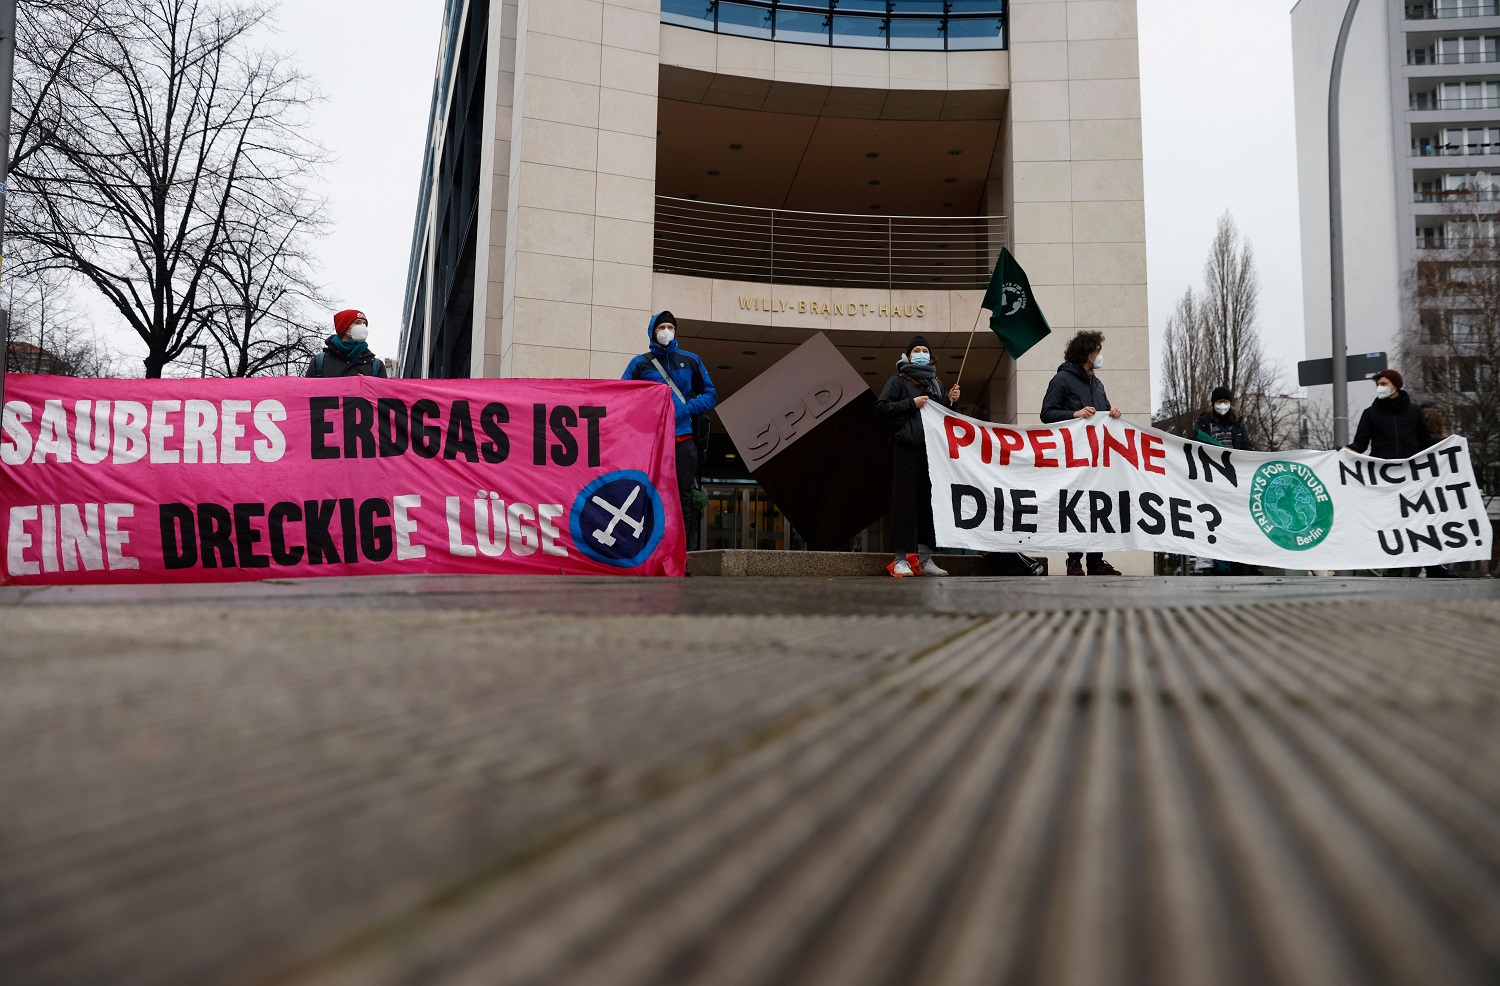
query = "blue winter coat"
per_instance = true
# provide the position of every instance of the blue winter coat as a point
(687, 371)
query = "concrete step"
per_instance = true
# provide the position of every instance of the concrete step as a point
(810, 564)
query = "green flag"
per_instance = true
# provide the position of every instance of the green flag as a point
(1207, 439)
(1014, 314)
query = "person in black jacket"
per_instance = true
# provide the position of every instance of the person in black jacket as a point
(346, 353)
(900, 406)
(1395, 427)
(1392, 427)
(1075, 392)
(1221, 424)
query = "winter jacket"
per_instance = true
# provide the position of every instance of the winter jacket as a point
(1228, 430)
(687, 371)
(335, 364)
(1072, 389)
(1392, 428)
(897, 405)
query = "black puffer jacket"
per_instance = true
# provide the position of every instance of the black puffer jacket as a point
(1227, 429)
(1392, 428)
(335, 365)
(1072, 389)
(897, 406)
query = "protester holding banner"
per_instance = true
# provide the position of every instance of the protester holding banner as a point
(693, 396)
(1395, 427)
(1220, 425)
(1392, 427)
(347, 352)
(1076, 392)
(900, 406)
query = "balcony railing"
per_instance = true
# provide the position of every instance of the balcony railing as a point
(1451, 57)
(1457, 103)
(1455, 150)
(785, 246)
(1428, 11)
(1457, 242)
(1460, 195)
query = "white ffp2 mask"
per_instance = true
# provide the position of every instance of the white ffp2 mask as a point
(664, 337)
(1222, 408)
(359, 332)
(1383, 391)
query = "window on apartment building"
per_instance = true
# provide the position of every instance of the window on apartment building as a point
(1468, 95)
(1465, 50)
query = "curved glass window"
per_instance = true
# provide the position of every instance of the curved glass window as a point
(912, 25)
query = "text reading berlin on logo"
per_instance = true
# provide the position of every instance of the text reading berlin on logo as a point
(1290, 505)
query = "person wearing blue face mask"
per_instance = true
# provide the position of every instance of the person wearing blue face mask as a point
(900, 406)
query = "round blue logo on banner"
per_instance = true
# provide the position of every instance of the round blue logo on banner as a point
(617, 519)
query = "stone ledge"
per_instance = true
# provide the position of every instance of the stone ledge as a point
(804, 564)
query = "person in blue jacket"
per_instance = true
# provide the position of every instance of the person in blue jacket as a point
(693, 395)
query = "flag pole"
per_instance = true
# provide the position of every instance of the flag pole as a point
(965, 361)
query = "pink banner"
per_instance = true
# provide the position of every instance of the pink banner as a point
(226, 480)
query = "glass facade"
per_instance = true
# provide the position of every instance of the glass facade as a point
(911, 25)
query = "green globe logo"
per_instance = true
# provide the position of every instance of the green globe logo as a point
(1290, 504)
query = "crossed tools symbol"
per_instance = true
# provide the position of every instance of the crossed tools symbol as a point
(619, 515)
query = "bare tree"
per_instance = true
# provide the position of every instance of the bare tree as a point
(148, 127)
(1185, 366)
(1449, 346)
(1213, 340)
(1231, 299)
(261, 287)
(47, 332)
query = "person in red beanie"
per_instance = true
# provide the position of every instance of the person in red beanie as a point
(346, 353)
(1394, 427)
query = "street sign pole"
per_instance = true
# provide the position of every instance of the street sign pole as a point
(1336, 238)
(7, 72)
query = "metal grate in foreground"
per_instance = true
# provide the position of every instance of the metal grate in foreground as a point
(1234, 795)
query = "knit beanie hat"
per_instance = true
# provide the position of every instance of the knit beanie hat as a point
(661, 317)
(342, 320)
(1393, 377)
(915, 342)
(1222, 394)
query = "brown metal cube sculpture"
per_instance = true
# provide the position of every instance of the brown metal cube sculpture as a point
(806, 430)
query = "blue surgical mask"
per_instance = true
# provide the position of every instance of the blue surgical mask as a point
(921, 359)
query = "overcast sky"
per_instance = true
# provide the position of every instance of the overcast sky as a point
(1216, 94)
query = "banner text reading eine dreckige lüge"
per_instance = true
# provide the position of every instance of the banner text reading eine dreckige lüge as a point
(151, 481)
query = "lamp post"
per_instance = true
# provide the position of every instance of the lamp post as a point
(202, 357)
(1336, 239)
(7, 71)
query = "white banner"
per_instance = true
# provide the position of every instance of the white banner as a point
(1106, 484)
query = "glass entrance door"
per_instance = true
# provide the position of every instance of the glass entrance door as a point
(741, 515)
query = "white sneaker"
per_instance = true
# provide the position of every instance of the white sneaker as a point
(900, 568)
(930, 567)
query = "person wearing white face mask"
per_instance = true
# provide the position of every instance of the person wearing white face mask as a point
(1221, 424)
(1076, 392)
(900, 406)
(347, 353)
(1392, 427)
(693, 396)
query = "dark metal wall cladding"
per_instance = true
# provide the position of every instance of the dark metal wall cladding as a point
(1233, 795)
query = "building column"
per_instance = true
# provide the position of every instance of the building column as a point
(1076, 194)
(487, 339)
(580, 189)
